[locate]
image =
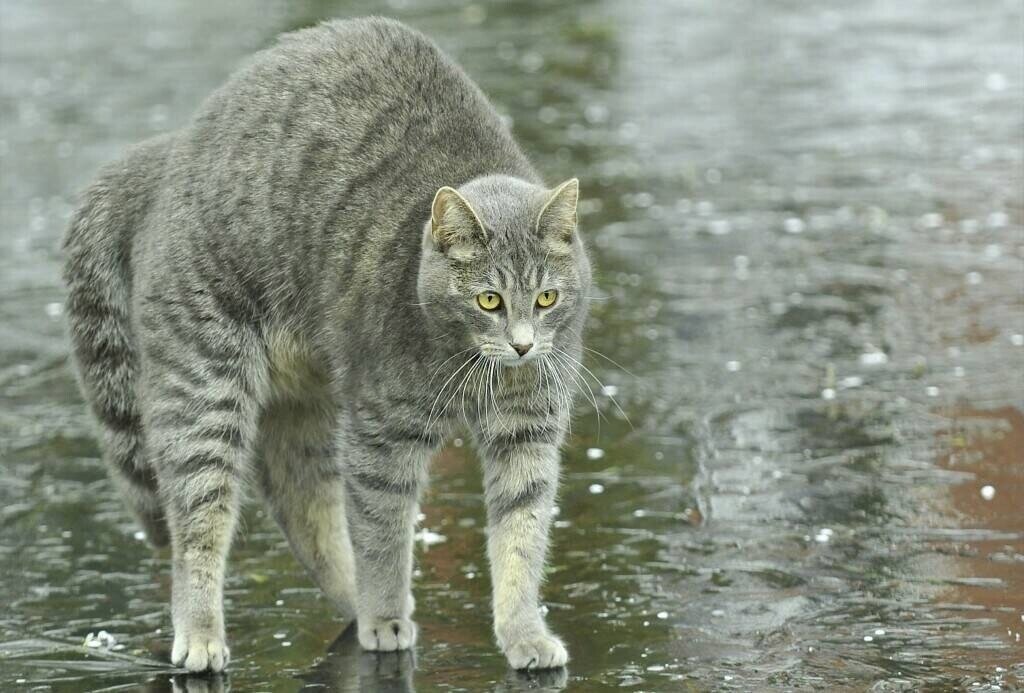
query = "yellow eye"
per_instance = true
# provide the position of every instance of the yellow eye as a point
(546, 298)
(489, 300)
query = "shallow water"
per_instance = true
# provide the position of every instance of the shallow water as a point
(808, 225)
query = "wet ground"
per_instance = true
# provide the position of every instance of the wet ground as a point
(808, 224)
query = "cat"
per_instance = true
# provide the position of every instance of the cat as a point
(343, 258)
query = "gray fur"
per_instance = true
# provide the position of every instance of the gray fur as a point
(269, 296)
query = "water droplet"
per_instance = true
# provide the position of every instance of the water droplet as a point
(280, 636)
(995, 81)
(531, 62)
(430, 538)
(932, 391)
(474, 15)
(974, 278)
(279, 602)
(139, 535)
(662, 615)
(286, 643)
(719, 227)
(851, 381)
(718, 613)
(594, 453)
(868, 638)
(988, 492)
(828, 393)
(879, 631)
(732, 366)
(1017, 339)
(596, 489)
(793, 225)
(873, 358)
(997, 220)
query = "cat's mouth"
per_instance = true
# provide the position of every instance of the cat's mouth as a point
(513, 357)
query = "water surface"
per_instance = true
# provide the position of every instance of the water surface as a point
(807, 220)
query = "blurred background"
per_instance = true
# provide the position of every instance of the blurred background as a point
(807, 224)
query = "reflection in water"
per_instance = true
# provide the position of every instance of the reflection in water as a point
(807, 226)
(347, 668)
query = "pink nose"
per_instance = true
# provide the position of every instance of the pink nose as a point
(521, 349)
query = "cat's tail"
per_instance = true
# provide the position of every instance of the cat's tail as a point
(98, 276)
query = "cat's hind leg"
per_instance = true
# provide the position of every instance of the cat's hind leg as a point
(202, 387)
(301, 480)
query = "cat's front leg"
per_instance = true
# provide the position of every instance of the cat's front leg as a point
(382, 483)
(520, 481)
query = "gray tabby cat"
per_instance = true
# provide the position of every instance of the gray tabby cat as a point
(339, 261)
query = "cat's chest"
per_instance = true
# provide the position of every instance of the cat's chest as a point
(295, 370)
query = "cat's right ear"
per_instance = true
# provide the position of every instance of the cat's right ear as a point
(454, 225)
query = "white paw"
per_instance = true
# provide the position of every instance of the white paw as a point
(200, 652)
(539, 651)
(387, 635)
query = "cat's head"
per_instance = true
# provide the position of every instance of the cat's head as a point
(504, 268)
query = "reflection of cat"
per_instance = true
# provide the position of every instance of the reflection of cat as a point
(270, 295)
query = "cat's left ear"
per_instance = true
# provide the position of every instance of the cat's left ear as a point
(557, 219)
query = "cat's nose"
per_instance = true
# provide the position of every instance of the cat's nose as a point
(521, 349)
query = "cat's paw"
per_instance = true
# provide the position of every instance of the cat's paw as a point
(387, 634)
(200, 652)
(540, 651)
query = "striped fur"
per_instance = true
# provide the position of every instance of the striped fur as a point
(264, 299)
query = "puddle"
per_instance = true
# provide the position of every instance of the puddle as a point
(807, 224)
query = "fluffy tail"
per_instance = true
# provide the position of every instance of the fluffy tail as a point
(98, 275)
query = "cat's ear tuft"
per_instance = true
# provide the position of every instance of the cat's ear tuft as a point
(453, 222)
(557, 219)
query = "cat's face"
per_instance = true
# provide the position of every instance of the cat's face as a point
(503, 268)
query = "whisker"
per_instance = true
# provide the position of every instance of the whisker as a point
(431, 420)
(578, 380)
(598, 381)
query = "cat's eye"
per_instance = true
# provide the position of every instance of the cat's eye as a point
(546, 298)
(488, 300)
